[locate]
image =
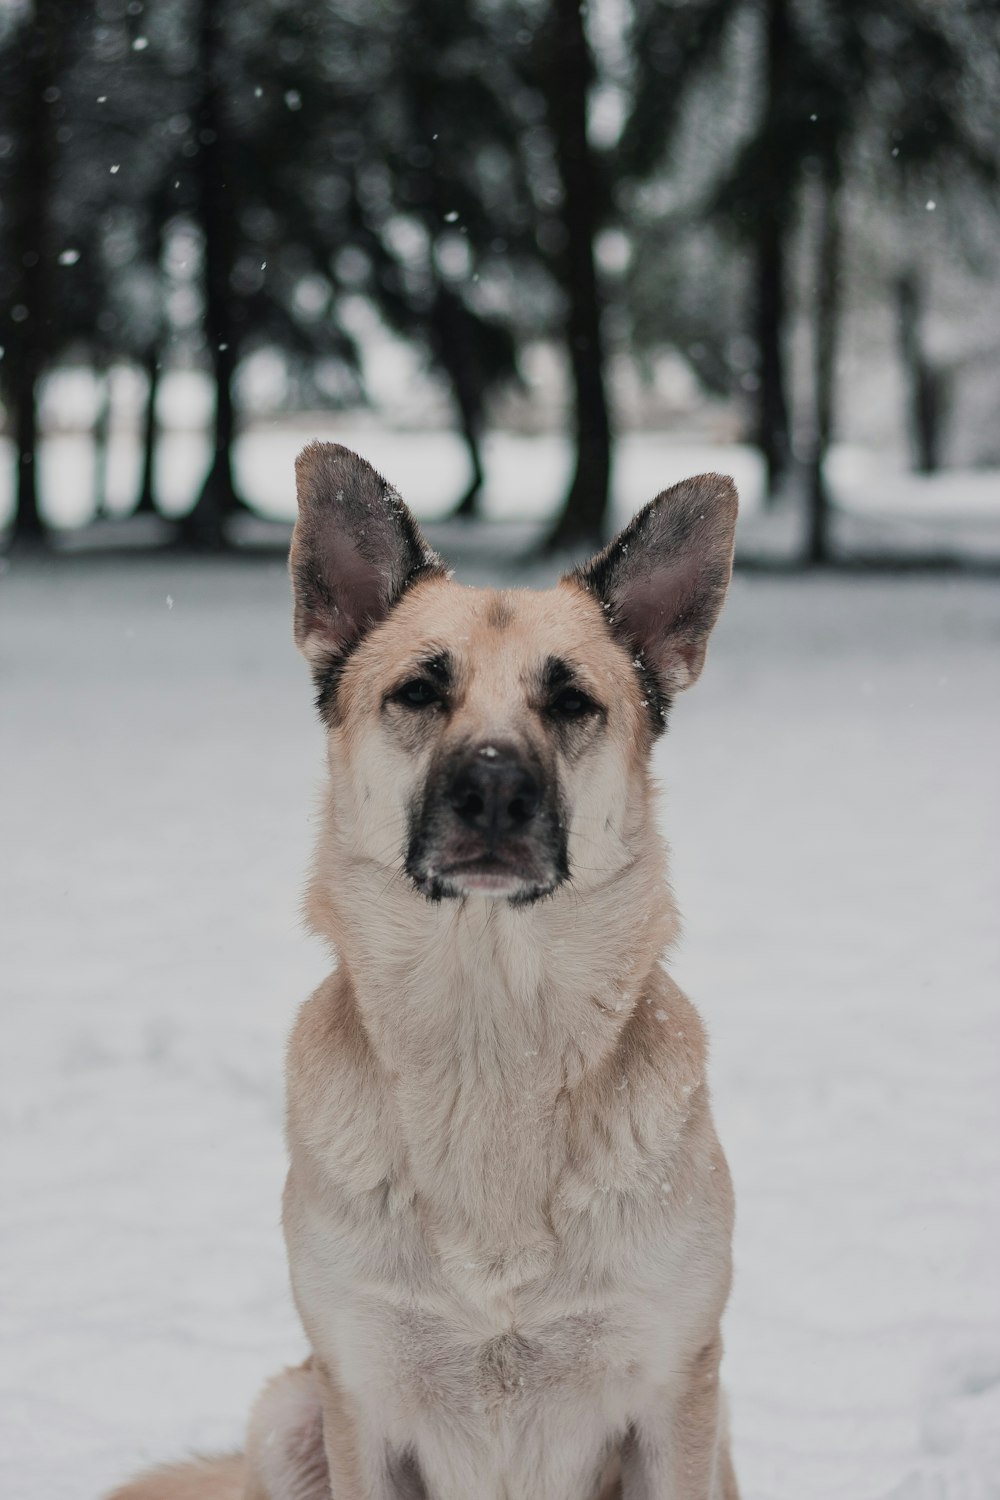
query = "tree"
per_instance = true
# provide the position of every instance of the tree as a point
(217, 187)
(478, 355)
(891, 78)
(902, 77)
(940, 152)
(476, 196)
(926, 383)
(679, 47)
(34, 50)
(423, 107)
(567, 73)
(78, 190)
(152, 347)
(265, 274)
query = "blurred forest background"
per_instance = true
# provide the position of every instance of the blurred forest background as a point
(767, 222)
(536, 261)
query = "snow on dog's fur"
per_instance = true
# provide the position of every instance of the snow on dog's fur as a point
(507, 1214)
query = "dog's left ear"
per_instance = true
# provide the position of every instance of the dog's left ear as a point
(662, 581)
(356, 549)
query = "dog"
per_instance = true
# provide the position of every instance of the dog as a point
(508, 1216)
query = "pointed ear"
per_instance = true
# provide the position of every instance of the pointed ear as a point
(355, 551)
(662, 581)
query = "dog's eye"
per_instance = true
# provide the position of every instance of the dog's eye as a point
(417, 694)
(571, 704)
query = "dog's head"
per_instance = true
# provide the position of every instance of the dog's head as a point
(496, 743)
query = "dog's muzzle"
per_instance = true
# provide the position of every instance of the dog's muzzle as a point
(488, 824)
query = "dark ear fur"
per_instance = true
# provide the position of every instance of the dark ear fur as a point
(662, 580)
(356, 549)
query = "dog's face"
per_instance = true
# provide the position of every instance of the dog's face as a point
(480, 732)
(496, 743)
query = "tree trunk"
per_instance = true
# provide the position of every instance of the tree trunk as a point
(29, 528)
(583, 517)
(827, 295)
(772, 434)
(925, 384)
(102, 437)
(468, 507)
(29, 311)
(770, 312)
(453, 350)
(146, 503)
(205, 525)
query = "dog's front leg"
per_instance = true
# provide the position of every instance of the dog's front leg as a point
(678, 1447)
(360, 1464)
(307, 1441)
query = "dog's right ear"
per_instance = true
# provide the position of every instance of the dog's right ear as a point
(356, 549)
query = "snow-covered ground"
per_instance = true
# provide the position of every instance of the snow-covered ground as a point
(832, 800)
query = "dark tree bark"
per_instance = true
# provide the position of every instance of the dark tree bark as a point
(29, 229)
(205, 525)
(102, 438)
(146, 503)
(772, 434)
(152, 356)
(469, 422)
(770, 313)
(827, 327)
(925, 384)
(29, 528)
(453, 342)
(584, 513)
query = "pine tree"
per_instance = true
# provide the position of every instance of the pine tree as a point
(32, 62)
(893, 79)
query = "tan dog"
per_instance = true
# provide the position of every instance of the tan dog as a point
(508, 1217)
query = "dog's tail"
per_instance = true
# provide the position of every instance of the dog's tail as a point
(285, 1458)
(223, 1478)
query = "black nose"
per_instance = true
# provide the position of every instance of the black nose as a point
(494, 793)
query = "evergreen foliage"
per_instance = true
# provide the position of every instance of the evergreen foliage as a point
(443, 161)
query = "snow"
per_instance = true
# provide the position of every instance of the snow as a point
(831, 798)
(880, 505)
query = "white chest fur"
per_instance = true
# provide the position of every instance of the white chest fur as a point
(476, 1258)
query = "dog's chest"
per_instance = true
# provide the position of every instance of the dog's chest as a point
(444, 1328)
(439, 1364)
(456, 1263)
(530, 1408)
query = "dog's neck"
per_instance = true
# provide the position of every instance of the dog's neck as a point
(483, 1019)
(563, 972)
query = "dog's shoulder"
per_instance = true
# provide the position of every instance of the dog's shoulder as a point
(328, 1034)
(663, 1049)
(337, 1092)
